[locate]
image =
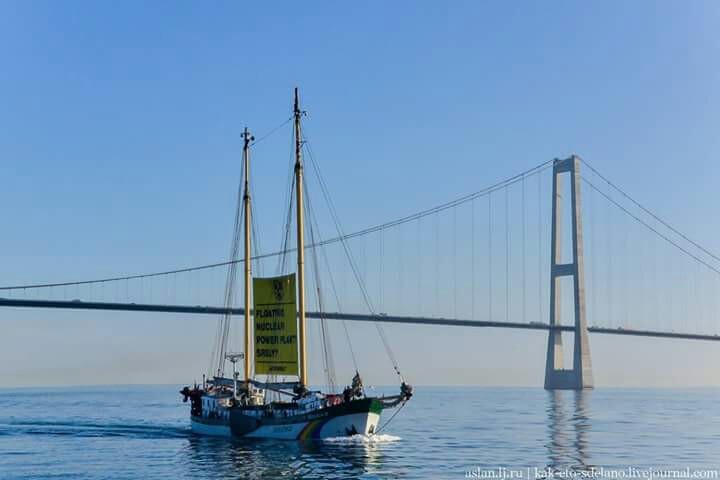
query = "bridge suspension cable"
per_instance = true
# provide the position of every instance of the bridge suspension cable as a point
(655, 230)
(643, 272)
(340, 238)
(649, 212)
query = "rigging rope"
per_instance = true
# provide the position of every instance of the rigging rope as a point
(387, 422)
(285, 249)
(339, 308)
(271, 132)
(221, 339)
(348, 254)
(327, 357)
(337, 301)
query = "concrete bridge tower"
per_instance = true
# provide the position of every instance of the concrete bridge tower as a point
(579, 376)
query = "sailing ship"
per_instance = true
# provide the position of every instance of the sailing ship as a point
(275, 321)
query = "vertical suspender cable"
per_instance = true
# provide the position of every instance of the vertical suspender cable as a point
(420, 266)
(472, 250)
(608, 229)
(507, 256)
(490, 262)
(655, 303)
(539, 245)
(624, 263)
(382, 253)
(401, 285)
(524, 253)
(437, 264)
(455, 262)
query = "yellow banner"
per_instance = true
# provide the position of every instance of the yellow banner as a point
(276, 341)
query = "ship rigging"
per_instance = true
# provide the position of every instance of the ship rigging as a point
(274, 399)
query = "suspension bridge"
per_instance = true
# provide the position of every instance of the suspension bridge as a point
(529, 252)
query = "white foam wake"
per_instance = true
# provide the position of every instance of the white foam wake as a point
(365, 439)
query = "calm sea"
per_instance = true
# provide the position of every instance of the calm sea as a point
(143, 432)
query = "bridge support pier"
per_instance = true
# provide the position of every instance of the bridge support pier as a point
(580, 375)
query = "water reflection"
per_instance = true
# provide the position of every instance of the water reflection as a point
(568, 429)
(222, 458)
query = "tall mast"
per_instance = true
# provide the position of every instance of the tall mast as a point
(300, 239)
(248, 263)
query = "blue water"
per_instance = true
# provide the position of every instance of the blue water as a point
(129, 432)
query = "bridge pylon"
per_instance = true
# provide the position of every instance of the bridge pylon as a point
(580, 375)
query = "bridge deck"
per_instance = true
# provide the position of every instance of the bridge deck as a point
(199, 309)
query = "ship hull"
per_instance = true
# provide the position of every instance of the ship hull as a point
(357, 417)
(340, 426)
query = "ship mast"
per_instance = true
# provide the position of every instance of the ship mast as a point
(300, 240)
(248, 263)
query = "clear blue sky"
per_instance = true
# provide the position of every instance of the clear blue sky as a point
(119, 148)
